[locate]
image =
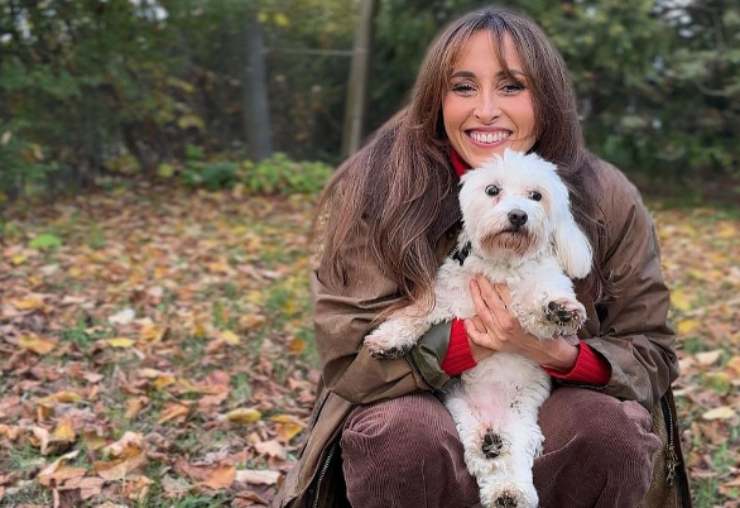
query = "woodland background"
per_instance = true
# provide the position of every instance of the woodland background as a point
(159, 167)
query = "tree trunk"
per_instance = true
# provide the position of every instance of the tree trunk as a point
(354, 117)
(256, 106)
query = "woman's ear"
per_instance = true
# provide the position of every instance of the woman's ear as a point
(572, 247)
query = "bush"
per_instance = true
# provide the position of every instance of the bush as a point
(275, 175)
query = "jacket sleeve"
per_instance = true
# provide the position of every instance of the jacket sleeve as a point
(634, 336)
(344, 315)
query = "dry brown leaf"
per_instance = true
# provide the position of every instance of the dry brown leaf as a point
(37, 344)
(136, 487)
(48, 474)
(175, 487)
(271, 448)
(88, 486)
(258, 476)
(134, 406)
(708, 358)
(220, 477)
(719, 413)
(30, 302)
(173, 411)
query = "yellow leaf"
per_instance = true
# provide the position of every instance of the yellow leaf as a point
(288, 427)
(687, 326)
(680, 300)
(162, 381)
(229, 337)
(36, 344)
(32, 302)
(64, 432)
(121, 342)
(726, 230)
(297, 346)
(18, 259)
(719, 413)
(243, 416)
(191, 120)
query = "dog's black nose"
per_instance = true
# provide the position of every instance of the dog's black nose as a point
(517, 218)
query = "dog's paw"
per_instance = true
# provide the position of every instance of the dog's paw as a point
(492, 444)
(381, 348)
(510, 495)
(566, 313)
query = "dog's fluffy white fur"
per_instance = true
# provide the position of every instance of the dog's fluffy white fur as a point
(517, 229)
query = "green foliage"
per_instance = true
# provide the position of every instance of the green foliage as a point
(275, 175)
(95, 88)
(280, 175)
(46, 241)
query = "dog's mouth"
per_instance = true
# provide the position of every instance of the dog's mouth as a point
(516, 239)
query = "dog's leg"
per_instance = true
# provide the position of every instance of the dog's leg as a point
(545, 302)
(398, 334)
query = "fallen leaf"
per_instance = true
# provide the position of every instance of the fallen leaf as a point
(709, 357)
(271, 449)
(296, 346)
(122, 317)
(127, 454)
(257, 476)
(173, 411)
(88, 487)
(220, 478)
(719, 413)
(687, 326)
(243, 416)
(38, 345)
(31, 302)
(49, 473)
(288, 427)
(121, 342)
(175, 487)
(136, 487)
(64, 431)
(229, 337)
(680, 300)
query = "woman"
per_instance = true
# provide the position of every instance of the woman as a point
(379, 437)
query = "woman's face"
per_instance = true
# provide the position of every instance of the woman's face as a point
(485, 109)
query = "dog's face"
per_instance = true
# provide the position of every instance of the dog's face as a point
(514, 205)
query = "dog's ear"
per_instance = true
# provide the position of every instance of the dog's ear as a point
(572, 247)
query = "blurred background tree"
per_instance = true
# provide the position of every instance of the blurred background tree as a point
(94, 89)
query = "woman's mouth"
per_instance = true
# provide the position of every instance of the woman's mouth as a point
(488, 138)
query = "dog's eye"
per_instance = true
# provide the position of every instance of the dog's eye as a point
(535, 196)
(492, 190)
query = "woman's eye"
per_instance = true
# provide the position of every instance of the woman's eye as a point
(492, 190)
(535, 196)
(512, 88)
(463, 88)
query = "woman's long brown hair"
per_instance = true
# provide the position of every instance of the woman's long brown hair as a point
(391, 190)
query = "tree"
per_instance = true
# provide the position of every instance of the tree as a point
(256, 108)
(358, 78)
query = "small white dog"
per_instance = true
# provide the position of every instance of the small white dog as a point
(517, 229)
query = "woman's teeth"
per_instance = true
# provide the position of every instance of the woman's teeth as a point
(489, 137)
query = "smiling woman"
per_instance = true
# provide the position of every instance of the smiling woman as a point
(489, 106)
(379, 436)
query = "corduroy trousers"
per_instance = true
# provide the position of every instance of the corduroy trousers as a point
(405, 453)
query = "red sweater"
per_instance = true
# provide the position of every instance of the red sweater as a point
(590, 366)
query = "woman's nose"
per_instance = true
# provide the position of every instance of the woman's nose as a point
(487, 109)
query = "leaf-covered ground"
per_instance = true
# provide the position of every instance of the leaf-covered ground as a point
(156, 349)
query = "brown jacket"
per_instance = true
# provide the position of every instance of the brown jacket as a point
(629, 330)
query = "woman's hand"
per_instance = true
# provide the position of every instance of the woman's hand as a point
(494, 328)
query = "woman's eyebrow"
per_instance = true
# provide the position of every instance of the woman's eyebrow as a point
(499, 74)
